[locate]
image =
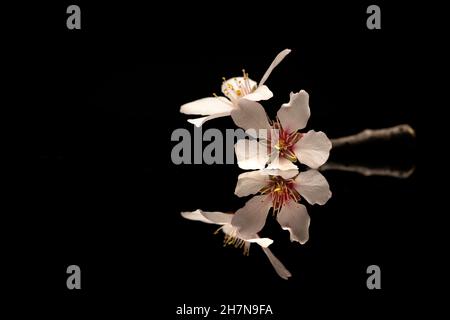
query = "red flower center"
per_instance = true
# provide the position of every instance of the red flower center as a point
(282, 191)
(285, 141)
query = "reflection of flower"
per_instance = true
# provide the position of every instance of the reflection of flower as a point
(234, 89)
(283, 145)
(233, 237)
(282, 191)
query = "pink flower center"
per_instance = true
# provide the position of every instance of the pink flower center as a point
(286, 141)
(282, 191)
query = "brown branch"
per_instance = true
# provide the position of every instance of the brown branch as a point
(374, 134)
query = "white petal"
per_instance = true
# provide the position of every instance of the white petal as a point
(214, 217)
(251, 115)
(313, 149)
(263, 242)
(218, 217)
(277, 265)
(252, 238)
(261, 93)
(251, 154)
(274, 63)
(207, 106)
(294, 115)
(195, 216)
(294, 218)
(250, 219)
(198, 122)
(285, 174)
(251, 182)
(313, 186)
(281, 164)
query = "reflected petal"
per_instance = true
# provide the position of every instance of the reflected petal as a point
(294, 217)
(214, 217)
(277, 265)
(281, 164)
(251, 218)
(285, 174)
(263, 242)
(313, 186)
(251, 182)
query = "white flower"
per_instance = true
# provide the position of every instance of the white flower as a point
(282, 191)
(233, 237)
(234, 90)
(282, 145)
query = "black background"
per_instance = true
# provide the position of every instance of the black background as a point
(96, 108)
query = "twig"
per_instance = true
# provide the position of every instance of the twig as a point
(374, 134)
(367, 171)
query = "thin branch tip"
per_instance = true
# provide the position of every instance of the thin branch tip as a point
(374, 134)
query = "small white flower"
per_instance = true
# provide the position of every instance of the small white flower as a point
(234, 90)
(282, 191)
(233, 237)
(282, 145)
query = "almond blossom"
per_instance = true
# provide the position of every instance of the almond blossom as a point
(233, 89)
(235, 238)
(281, 145)
(282, 191)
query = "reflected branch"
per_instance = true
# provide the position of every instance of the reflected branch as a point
(369, 171)
(374, 134)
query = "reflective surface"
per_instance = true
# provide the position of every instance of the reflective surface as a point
(97, 186)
